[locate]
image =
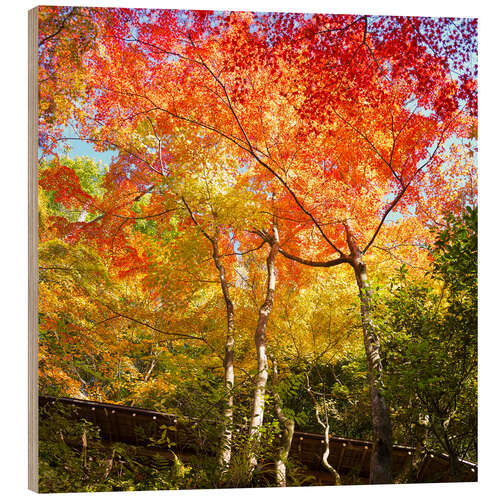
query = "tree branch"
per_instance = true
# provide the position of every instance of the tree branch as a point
(329, 263)
(49, 37)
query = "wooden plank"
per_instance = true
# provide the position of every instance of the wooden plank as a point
(341, 456)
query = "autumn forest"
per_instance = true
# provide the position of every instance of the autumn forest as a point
(263, 223)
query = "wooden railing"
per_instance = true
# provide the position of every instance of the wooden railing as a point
(136, 426)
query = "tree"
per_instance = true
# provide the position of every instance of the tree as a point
(431, 346)
(221, 197)
(65, 35)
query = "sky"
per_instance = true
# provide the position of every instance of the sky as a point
(82, 148)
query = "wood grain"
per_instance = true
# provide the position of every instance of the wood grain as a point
(33, 249)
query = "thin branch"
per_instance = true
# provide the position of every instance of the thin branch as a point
(403, 190)
(57, 268)
(49, 37)
(364, 136)
(144, 216)
(105, 321)
(151, 327)
(240, 253)
(134, 200)
(191, 214)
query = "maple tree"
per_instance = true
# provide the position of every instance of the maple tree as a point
(327, 139)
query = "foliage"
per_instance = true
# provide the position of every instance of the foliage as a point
(431, 346)
(72, 458)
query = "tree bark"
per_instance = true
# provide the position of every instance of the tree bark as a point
(83, 212)
(227, 426)
(225, 450)
(409, 473)
(287, 430)
(381, 462)
(262, 364)
(326, 433)
(454, 469)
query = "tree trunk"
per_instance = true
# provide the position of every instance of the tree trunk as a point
(227, 420)
(326, 454)
(227, 424)
(83, 212)
(326, 433)
(381, 462)
(287, 429)
(454, 469)
(409, 473)
(262, 364)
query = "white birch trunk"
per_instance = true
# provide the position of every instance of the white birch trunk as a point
(287, 429)
(227, 426)
(258, 402)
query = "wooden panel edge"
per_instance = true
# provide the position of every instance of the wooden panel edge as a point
(33, 249)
